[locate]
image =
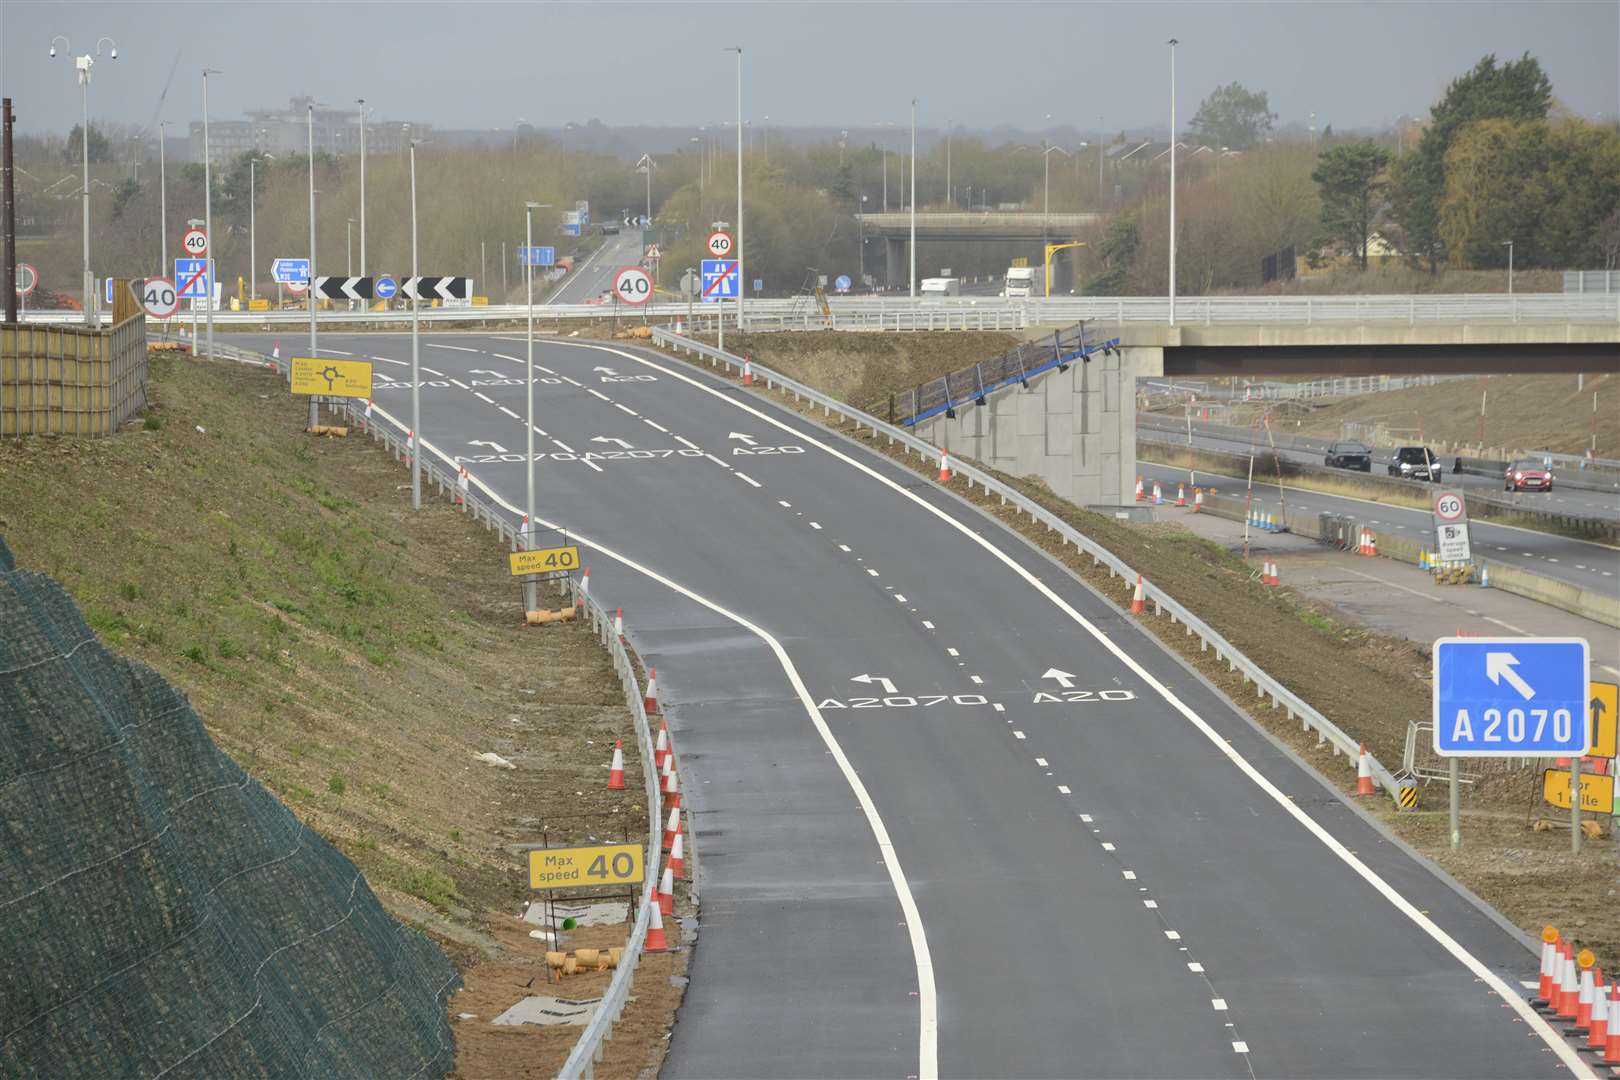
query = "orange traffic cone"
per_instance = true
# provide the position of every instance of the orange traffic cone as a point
(618, 623)
(661, 748)
(584, 587)
(650, 704)
(462, 482)
(944, 466)
(748, 371)
(1599, 1031)
(666, 892)
(1138, 602)
(1372, 543)
(1585, 996)
(1549, 960)
(1568, 987)
(1181, 495)
(1140, 494)
(616, 770)
(1198, 500)
(1364, 779)
(672, 827)
(666, 770)
(1611, 1041)
(677, 856)
(672, 787)
(656, 942)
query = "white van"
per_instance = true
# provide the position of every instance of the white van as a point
(941, 286)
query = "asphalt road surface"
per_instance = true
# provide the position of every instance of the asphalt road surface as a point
(1561, 500)
(919, 851)
(1583, 562)
(594, 276)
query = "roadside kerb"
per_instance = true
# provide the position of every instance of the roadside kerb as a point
(589, 1046)
(1163, 603)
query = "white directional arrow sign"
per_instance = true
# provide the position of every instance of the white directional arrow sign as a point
(1065, 679)
(1500, 665)
(495, 446)
(747, 440)
(605, 370)
(888, 684)
(605, 439)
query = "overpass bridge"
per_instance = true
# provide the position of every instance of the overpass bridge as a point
(894, 227)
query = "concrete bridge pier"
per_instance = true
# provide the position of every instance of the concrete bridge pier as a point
(1075, 430)
(896, 270)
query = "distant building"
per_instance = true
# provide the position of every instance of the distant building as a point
(286, 131)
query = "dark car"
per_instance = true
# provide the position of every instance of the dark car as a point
(610, 230)
(1348, 455)
(1527, 475)
(1416, 463)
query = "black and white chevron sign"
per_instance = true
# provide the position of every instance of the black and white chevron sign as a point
(436, 288)
(343, 288)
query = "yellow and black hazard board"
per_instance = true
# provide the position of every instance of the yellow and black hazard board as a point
(1407, 796)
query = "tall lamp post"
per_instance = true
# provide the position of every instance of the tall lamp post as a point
(1509, 245)
(83, 64)
(914, 198)
(314, 403)
(208, 216)
(416, 341)
(362, 103)
(1172, 293)
(253, 229)
(742, 278)
(163, 201)
(530, 588)
(1101, 142)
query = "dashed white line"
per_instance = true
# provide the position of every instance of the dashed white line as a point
(1018, 735)
(596, 393)
(898, 597)
(481, 396)
(815, 525)
(626, 408)
(573, 382)
(430, 371)
(1130, 875)
(592, 464)
(452, 348)
(387, 360)
(1195, 967)
(999, 707)
(1172, 935)
(1041, 762)
(1506, 626)
(564, 446)
(337, 352)
(717, 461)
(1240, 1047)
(454, 382)
(1063, 790)
(1107, 846)
(871, 571)
(750, 479)
(976, 680)
(1219, 1004)
(952, 651)
(655, 425)
(1086, 818)
(509, 412)
(845, 548)
(779, 502)
(1150, 903)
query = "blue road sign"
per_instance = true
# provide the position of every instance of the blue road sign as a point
(107, 290)
(290, 271)
(842, 283)
(571, 228)
(192, 281)
(1510, 697)
(644, 221)
(536, 256)
(759, 284)
(719, 280)
(385, 288)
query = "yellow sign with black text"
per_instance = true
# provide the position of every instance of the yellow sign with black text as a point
(1605, 699)
(607, 864)
(1597, 791)
(331, 378)
(545, 561)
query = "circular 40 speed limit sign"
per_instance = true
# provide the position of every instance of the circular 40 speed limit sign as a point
(159, 298)
(719, 244)
(195, 241)
(633, 285)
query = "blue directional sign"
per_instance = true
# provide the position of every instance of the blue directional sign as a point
(192, 281)
(842, 283)
(1510, 697)
(385, 288)
(107, 284)
(290, 271)
(720, 280)
(536, 256)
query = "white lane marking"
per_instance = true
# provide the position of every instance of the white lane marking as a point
(655, 425)
(845, 548)
(779, 502)
(952, 651)
(1172, 935)
(563, 446)
(927, 994)
(871, 571)
(596, 393)
(1507, 626)
(1019, 735)
(927, 625)
(453, 382)
(1150, 904)
(538, 430)
(509, 412)
(401, 363)
(337, 352)
(430, 371)
(572, 382)
(1195, 967)
(690, 445)
(750, 479)
(592, 464)
(898, 597)
(1041, 762)
(1219, 1004)
(1064, 790)
(1086, 818)
(1553, 1039)
(999, 707)
(815, 525)
(1130, 875)
(1240, 1047)
(1612, 670)
(453, 348)
(1107, 846)
(626, 408)
(976, 680)
(481, 396)
(717, 461)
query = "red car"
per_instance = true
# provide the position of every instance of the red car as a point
(1528, 476)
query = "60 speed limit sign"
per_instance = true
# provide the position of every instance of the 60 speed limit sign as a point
(633, 285)
(1449, 507)
(158, 297)
(195, 241)
(719, 244)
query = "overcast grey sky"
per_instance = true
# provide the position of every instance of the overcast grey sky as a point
(485, 65)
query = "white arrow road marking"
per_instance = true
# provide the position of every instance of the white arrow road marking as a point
(605, 439)
(604, 370)
(482, 371)
(747, 440)
(888, 684)
(1499, 666)
(1065, 678)
(495, 446)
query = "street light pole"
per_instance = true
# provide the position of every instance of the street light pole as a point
(742, 278)
(1509, 245)
(1172, 292)
(163, 201)
(208, 215)
(253, 229)
(416, 349)
(83, 64)
(348, 246)
(913, 198)
(950, 199)
(314, 404)
(531, 588)
(362, 103)
(1100, 142)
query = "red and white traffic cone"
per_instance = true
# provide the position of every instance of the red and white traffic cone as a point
(677, 856)
(365, 418)
(672, 788)
(616, 770)
(1569, 987)
(667, 769)
(1598, 1033)
(1372, 543)
(1181, 495)
(1549, 958)
(672, 827)
(1158, 494)
(666, 892)
(661, 748)
(275, 353)
(463, 481)
(1364, 778)
(1584, 997)
(944, 466)
(1140, 495)
(650, 704)
(584, 587)
(618, 623)
(656, 941)
(1138, 601)
(1198, 500)
(1611, 1041)
(748, 371)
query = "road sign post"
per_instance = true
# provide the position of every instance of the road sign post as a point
(1511, 697)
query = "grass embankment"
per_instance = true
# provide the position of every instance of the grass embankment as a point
(351, 655)
(1371, 685)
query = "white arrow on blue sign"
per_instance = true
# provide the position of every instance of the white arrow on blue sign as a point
(536, 256)
(1510, 697)
(386, 287)
(719, 280)
(290, 271)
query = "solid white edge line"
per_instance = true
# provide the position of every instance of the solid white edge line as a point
(927, 998)
(1555, 1041)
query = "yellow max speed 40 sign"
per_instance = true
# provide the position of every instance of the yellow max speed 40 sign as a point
(545, 560)
(607, 864)
(331, 378)
(1597, 790)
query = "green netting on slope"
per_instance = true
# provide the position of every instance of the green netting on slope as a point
(161, 913)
